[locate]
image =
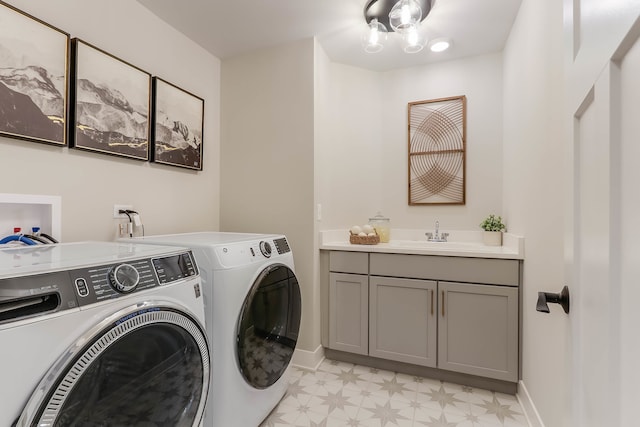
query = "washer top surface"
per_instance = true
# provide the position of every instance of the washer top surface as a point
(24, 260)
(222, 251)
(206, 238)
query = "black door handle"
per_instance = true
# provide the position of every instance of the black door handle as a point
(545, 297)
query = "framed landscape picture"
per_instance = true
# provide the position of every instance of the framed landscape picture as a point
(33, 78)
(177, 126)
(111, 103)
(437, 151)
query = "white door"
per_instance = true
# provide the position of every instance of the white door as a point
(603, 209)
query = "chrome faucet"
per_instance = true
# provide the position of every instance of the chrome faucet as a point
(437, 237)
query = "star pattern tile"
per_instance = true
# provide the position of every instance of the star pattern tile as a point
(386, 414)
(443, 397)
(345, 395)
(441, 422)
(348, 376)
(322, 423)
(502, 411)
(295, 388)
(335, 401)
(392, 386)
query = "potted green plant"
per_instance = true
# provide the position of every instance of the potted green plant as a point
(493, 228)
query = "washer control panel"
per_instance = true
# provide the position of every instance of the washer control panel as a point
(282, 246)
(124, 278)
(104, 282)
(265, 249)
(237, 254)
(172, 268)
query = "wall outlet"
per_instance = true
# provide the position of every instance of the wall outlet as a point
(118, 208)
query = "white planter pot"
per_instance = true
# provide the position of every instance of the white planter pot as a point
(492, 238)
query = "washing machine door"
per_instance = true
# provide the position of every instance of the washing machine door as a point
(143, 366)
(268, 326)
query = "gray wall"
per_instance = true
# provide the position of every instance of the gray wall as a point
(169, 199)
(534, 199)
(267, 172)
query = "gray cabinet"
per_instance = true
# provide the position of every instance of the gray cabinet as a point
(478, 330)
(403, 320)
(451, 313)
(348, 312)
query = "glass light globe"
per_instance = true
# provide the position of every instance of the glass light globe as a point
(412, 40)
(404, 15)
(374, 36)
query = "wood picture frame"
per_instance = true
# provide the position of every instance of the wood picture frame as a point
(178, 126)
(111, 103)
(34, 78)
(437, 151)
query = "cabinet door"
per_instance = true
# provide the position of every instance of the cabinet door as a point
(348, 312)
(402, 320)
(478, 330)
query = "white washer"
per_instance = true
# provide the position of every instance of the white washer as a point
(107, 334)
(253, 309)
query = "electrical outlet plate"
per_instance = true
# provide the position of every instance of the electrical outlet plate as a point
(118, 208)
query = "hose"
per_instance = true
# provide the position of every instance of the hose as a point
(46, 236)
(37, 239)
(18, 238)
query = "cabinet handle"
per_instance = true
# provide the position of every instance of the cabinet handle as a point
(442, 303)
(432, 302)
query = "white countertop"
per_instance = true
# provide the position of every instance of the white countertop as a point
(460, 243)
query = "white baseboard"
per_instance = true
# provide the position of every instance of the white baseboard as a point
(308, 359)
(530, 411)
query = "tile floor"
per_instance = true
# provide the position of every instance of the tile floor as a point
(343, 394)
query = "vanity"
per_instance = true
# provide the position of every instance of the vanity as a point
(448, 311)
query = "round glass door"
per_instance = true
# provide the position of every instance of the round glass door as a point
(149, 368)
(268, 326)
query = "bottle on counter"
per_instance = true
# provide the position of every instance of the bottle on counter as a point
(382, 226)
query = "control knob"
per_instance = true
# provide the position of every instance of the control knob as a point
(265, 248)
(124, 278)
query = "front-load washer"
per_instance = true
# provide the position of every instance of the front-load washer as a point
(253, 309)
(101, 334)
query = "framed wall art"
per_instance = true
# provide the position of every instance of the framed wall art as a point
(111, 103)
(437, 151)
(34, 78)
(178, 118)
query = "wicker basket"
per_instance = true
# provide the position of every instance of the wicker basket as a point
(363, 240)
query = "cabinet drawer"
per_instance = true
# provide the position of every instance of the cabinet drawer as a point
(455, 269)
(349, 262)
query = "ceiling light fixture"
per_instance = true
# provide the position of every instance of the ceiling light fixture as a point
(401, 16)
(440, 44)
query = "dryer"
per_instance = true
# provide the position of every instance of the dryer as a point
(101, 334)
(253, 309)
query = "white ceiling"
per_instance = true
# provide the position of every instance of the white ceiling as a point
(232, 27)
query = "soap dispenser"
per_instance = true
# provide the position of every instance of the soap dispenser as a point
(382, 226)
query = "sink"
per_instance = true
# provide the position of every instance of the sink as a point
(423, 244)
